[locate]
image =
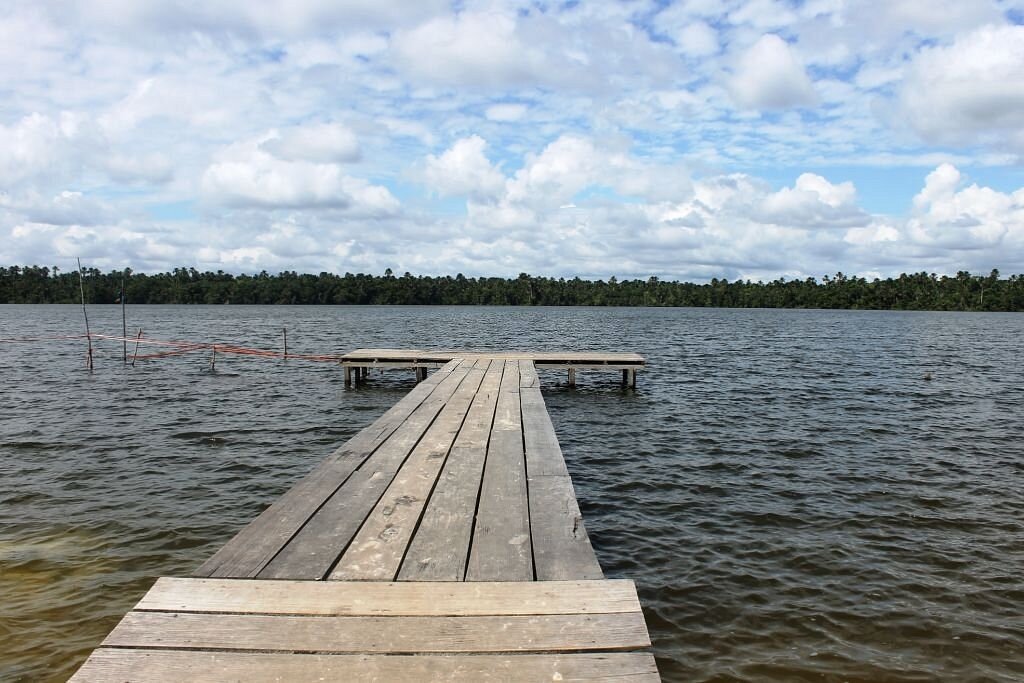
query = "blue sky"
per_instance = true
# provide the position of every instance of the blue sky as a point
(687, 140)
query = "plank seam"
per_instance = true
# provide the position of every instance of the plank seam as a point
(398, 469)
(263, 565)
(440, 471)
(380, 445)
(483, 472)
(391, 653)
(526, 465)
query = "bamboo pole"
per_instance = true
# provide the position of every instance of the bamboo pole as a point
(136, 354)
(85, 314)
(124, 325)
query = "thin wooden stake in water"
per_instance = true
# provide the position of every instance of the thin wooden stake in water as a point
(285, 330)
(136, 354)
(81, 289)
(124, 326)
(213, 359)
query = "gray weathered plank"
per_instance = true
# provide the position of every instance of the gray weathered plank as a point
(315, 548)
(561, 546)
(439, 549)
(398, 635)
(543, 454)
(376, 552)
(412, 598)
(160, 666)
(500, 548)
(248, 552)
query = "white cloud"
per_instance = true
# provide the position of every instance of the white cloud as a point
(769, 75)
(473, 48)
(66, 208)
(247, 176)
(971, 90)
(323, 143)
(971, 218)
(506, 112)
(464, 170)
(814, 202)
(697, 40)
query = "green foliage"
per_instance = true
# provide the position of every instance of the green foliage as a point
(919, 291)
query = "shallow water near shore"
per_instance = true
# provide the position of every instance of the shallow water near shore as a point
(793, 498)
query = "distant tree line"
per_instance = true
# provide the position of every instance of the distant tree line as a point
(918, 291)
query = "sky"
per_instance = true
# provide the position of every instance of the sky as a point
(751, 139)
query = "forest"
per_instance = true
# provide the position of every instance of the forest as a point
(917, 291)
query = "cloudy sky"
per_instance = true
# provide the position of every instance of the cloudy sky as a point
(689, 140)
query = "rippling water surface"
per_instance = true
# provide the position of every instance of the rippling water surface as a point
(793, 498)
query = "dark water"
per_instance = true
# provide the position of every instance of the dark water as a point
(793, 499)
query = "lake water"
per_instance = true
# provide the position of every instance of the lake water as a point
(794, 500)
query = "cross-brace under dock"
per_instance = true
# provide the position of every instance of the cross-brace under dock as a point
(442, 542)
(361, 361)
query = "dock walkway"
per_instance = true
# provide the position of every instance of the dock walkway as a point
(442, 542)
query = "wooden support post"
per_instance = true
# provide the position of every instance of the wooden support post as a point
(625, 378)
(421, 374)
(632, 379)
(572, 377)
(213, 359)
(348, 375)
(285, 331)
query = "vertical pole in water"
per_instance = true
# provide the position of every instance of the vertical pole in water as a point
(348, 375)
(213, 359)
(285, 343)
(572, 377)
(81, 289)
(136, 354)
(124, 326)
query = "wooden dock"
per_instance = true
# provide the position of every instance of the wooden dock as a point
(442, 542)
(361, 361)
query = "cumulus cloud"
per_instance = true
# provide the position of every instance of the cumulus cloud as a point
(945, 213)
(814, 202)
(66, 208)
(246, 175)
(473, 48)
(37, 144)
(769, 75)
(322, 143)
(971, 90)
(464, 170)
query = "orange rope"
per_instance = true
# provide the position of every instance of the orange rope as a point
(186, 347)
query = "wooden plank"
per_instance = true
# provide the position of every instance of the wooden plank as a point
(500, 548)
(376, 552)
(402, 598)
(561, 546)
(312, 552)
(114, 664)
(254, 546)
(543, 453)
(398, 635)
(439, 549)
